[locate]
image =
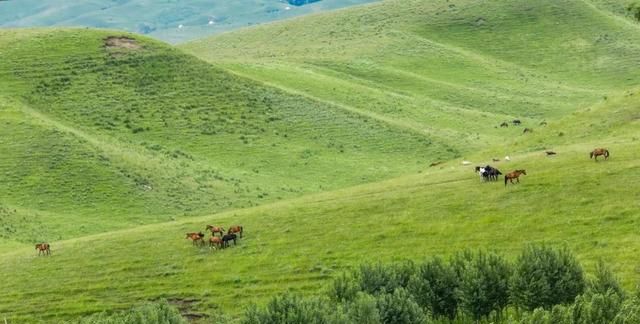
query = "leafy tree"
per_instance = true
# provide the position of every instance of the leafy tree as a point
(545, 277)
(434, 288)
(484, 284)
(364, 310)
(399, 308)
(378, 278)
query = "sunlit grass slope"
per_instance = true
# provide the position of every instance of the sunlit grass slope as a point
(298, 244)
(454, 68)
(102, 133)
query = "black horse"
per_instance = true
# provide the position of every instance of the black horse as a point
(490, 173)
(228, 237)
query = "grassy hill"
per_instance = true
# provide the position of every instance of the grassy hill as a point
(114, 145)
(172, 21)
(298, 244)
(122, 131)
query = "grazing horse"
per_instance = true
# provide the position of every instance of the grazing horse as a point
(495, 160)
(550, 153)
(43, 248)
(504, 124)
(599, 151)
(196, 238)
(435, 163)
(527, 130)
(513, 175)
(236, 229)
(516, 122)
(543, 123)
(228, 237)
(493, 173)
(215, 241)
(215, 229)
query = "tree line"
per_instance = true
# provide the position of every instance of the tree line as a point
(543, 285)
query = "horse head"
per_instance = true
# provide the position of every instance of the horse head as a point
(523, 172)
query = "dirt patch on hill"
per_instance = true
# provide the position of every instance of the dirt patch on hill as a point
(186, 307)
(121, 42)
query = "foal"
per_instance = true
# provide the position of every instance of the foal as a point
(513, 175)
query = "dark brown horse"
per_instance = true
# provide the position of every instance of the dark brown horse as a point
(527, 130)
(228, 237)
(235, 229)
(215, 229)
(215, 241)
(43, 248)
(196, 238)
(513, 175)
(599, 151)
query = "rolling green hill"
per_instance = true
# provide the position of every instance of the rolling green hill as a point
(114, 132)
(316, 134)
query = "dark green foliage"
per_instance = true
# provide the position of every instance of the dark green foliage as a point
(434, 288)
(343, 288)
(484, 283)
(596, 308)
(604, 281)
(545, 277)
(633, 9)
(364, 310)
(291, 309)
(399, 308)
(629, 312)
(160, 313)
(379, 278)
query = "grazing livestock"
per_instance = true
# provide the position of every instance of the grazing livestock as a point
(543, 123)
(495, 160)
(215, 229)
(513, 175)
(507, 158)
(504, 124)
(516, 122)
(235, 229)
(527, 130)
(550, 153)
(599, 151)
(488, 173)
(435, 163)
(43, 248)
(228, 237)
(215, 241)
(196, 238)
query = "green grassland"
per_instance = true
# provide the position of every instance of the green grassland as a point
(318, 141)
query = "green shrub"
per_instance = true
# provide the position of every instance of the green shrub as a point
(434, 288)
(363, 310)
(399, 308)
(378, 278)
(291, 309)
(604, 281)
(544, 277)
(159, 313)
(484, 283)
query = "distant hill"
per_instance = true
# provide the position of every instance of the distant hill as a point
(173, 21)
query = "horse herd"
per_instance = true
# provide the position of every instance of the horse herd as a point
(489, 173)
(222, 241)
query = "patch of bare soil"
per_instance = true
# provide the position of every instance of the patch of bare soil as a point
(123, 42)
(185, 306)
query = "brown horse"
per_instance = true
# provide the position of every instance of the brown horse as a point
(215, 241)
(599, 151)
(196, 238)
(513, 175)
(43, 248)
(215, 229)
(235, 229)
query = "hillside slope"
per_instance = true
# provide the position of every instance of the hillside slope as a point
(112, 130)
(458, 69)
(298, 244)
